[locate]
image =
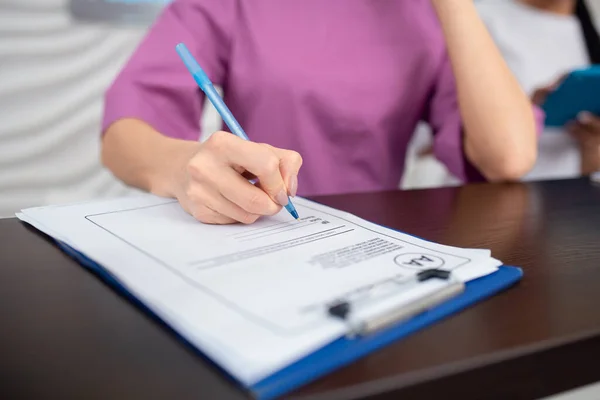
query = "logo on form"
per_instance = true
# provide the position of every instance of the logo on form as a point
(419, 261)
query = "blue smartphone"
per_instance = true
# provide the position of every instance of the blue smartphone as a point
(579, 91)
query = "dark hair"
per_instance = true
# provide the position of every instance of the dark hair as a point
(592, 39)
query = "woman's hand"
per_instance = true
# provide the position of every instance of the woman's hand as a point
(539, 95)
(214, 186)
(209, 179)
(587, 132)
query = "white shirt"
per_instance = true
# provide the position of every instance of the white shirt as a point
(539, 47)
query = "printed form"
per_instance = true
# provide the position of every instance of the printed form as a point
(253, 297)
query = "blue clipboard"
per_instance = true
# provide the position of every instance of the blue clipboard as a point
(343, 351)
(579, 91)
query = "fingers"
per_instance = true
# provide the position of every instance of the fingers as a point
(558, 82)
(539, 96)
(263, 161)
(289, 166)
(211, 207)
(218, 190)
(208, 216)
(255, 158)
(246, 196)
(586, 130)
(202, 213)
(589, 122)
(231, 210)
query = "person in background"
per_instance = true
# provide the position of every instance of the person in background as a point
(542, 41)
(335, 86)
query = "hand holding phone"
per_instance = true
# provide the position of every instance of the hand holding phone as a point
(577, 92)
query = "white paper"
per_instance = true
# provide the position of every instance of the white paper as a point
(252, 297)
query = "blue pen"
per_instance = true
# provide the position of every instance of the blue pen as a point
(207, 87)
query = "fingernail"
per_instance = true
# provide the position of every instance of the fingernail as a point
(584, 117)
(282, 198)
(293, 185)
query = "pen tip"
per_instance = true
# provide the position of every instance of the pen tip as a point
(291, 209)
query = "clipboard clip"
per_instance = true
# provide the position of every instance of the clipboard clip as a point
(343, 309)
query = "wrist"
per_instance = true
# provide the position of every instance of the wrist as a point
(590, 160)
(168, 177)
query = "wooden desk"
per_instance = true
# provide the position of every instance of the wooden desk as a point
(64, 334)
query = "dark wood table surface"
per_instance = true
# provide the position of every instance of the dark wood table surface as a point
(66, 335)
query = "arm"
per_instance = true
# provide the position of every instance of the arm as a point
(154, 104)
(498, 121)
(590, 157)
(144, 158)
(152, 117)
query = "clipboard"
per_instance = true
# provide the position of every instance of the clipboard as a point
(344, 350)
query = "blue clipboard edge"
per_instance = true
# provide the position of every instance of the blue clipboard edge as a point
(339, 353)
(121, 290)
(344, 351)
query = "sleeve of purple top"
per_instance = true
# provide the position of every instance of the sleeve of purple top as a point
(446, 123)
(154, 86)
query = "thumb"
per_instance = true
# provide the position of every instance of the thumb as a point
(559, 81)
(589, 121)
(289, 166)
(539, 96)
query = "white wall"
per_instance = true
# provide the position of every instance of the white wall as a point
(53, 72)
(52, 76)
(594, 8)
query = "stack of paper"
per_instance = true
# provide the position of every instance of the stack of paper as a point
(254, 297)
